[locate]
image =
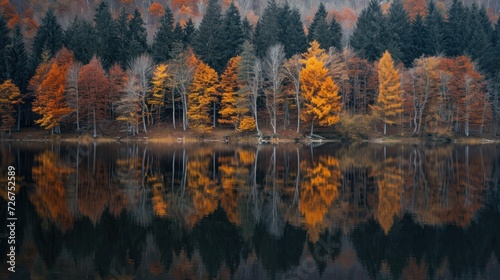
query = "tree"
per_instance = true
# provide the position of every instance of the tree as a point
(206, 42)
(17, 60)
(435, 28)
(107, 35)
(292, 68)
(129, 108)
(389, 101)
(399, 38)
(141, 68)
(137, 35)
(50, 101)
(231, 34)
(233, 107)
(160, 80)
(117, 79)
(4, 41)
(318, 30)
(80, 38)
(293, 36)
(72, 91)
(420, 38)
(455, 29)
(250, 77)
(335, 31)
(10, 96)
(161, 49)
(94, 86)
(48, 37)
(274, 68)
(415, 8)
(367, 38)
(268, 30)
(188, 32)
(201, 94)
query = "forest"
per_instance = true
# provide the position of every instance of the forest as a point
(361, 68)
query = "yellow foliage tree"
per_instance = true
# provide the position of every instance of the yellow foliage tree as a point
(389, 102)
(160, 80)
(322, 103)
(9, 97)
(202, 92)
(233, 104)
(318, 190)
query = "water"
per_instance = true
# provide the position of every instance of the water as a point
(360, 211)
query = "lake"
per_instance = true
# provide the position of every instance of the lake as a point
(215, 211)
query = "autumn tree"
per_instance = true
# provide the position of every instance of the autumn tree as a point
(274, 67)
(389, 101)
(201, 94)
(161, 78)
(94, 86)
(117, 79)
(9, 97)
(128, 107)
(72, 91)
(322, 103)
(229, 85)
(292, 68)
(141, 68)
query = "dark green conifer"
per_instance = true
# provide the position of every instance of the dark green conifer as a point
(80, 38)
(268, 30)
(4, 41)
(107, 36)
(368, 38)
(49, 37)
(435, 28)
(161, 49)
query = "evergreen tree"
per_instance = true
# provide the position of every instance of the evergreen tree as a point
(419, 38)
(4, 41)
(268, 30)
(397, 30)
(247, 30)
(17, 60)
(49, 36)
(367, 38)
(206, 42)
(231, 34)
(434, 24)
(107, 36)
(479, 39)
(335, 30)
(163, 42)
(123, 36)
(455, 29)
(319, 17)
(188, 32)
(294, 38)
(137, 35)
(80, 38)
(178, 35)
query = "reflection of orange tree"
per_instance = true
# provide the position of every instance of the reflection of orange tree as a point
(201, 187)
(318, 190)
(389, 193)
(49, 196)
(93, 192)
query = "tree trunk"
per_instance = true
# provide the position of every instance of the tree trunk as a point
(18, 118)
(95, 126)
(173, 108)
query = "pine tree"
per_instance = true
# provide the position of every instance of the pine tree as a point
(294, 38)
(434, 24)
(206, 42)
(49, 36)
(80, 38)
(17, 60)
(479, 40)
(188, 32)
(107, 36)
(178, 36)
(201, 95)
(268, 30)
(420, 38)
(231, 34)
(398, 26)
(123, 46)
(367, 38)
(319, 17)
(322, 102)
(137, 35)
(161, 49)
(335, 30)
(10, 96)
(455, 29)
(247, 30)
(389, 101)
(4, 41)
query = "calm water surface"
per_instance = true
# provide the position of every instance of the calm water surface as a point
(366, 211)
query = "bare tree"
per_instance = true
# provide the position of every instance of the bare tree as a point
(182, 76)
(255, 85)
(141, 67)
(129, 106)
(274, 73)
(72, 90)
(292, 71)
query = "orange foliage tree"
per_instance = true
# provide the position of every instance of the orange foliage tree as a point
(415, 7)
(322, 102)
(389, 101)
(94, 87)
(9, 97)
(156, 9)
(202, 93)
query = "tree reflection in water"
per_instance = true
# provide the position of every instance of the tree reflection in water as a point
(363, 210)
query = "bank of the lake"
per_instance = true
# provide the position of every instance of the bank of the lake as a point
(223, 135)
